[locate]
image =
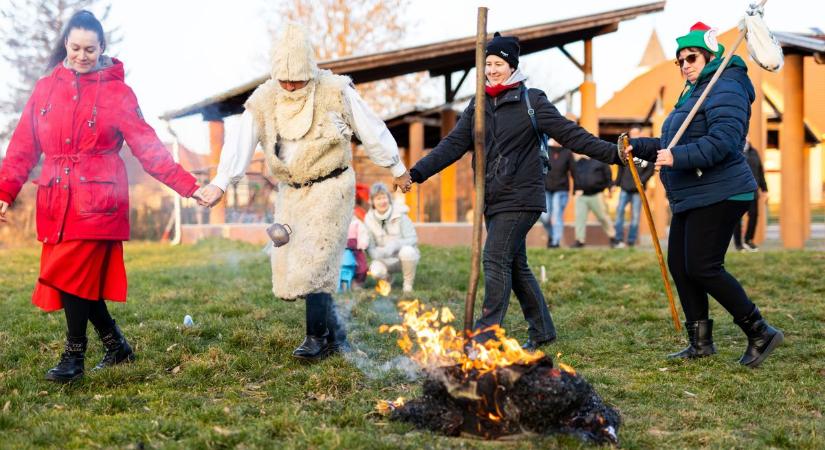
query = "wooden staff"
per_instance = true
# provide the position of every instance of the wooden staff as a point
(475, 261)
(630, 165)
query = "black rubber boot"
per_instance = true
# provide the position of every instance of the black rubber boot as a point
(312, 349)
(70, 367)
(315, 346)
(762, 338)
(117, 348)
(700, 337)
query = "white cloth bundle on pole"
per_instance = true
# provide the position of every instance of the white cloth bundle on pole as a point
(762, 44)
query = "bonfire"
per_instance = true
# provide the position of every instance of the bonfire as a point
(492, 389)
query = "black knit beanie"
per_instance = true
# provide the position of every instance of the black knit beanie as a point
(506, 48)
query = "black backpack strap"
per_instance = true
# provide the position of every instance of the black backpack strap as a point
(532, 113)
(544, 155)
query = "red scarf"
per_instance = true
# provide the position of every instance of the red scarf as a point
(494, 91)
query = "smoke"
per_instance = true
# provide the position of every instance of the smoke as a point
(364, 356)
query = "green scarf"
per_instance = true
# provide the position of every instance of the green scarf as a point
(706, 73)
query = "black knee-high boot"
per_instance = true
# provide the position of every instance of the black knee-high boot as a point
(314, 346)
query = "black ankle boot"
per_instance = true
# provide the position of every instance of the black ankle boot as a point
(700, 337)
(70, 367)
(117, 348)
(762, 338)
(312, 349)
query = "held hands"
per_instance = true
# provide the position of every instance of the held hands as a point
(208, 195)
(3, 208)
(404, 182)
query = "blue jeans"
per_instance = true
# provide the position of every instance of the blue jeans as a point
(505, 270)
(553, 219)
(635, 201)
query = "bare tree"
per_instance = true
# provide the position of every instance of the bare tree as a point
(29, 31)
(343, 28)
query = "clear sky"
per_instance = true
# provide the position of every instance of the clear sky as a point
(178, 52)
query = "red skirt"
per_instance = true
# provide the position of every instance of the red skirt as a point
(92, 270)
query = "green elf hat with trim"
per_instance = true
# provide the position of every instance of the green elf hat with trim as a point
(701, 36)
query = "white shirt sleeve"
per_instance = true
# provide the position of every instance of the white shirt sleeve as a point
(235, 156)
(379, 144)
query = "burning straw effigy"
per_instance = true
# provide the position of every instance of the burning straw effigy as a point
(492, 390)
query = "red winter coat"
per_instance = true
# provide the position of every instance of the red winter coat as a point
(79, 122)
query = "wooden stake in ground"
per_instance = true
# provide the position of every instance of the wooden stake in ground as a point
(624, 142)
(478, 154)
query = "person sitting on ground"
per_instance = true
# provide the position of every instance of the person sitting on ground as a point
(392, 238)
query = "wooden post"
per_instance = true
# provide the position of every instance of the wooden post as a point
(415, 152)
(589, 113)
(791, 146)
(217, 214)
(757, 135)
(449, 212)
(475, 261)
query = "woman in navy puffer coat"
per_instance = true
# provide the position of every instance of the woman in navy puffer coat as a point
(709, 186)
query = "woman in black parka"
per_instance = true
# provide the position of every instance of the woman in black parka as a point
(514, 191)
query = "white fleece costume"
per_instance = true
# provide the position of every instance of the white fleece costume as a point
(311, 129)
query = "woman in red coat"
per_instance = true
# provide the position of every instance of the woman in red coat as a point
(78, 117)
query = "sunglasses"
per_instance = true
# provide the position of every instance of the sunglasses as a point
(690, 58)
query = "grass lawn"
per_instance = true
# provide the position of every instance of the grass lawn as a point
(230, 381)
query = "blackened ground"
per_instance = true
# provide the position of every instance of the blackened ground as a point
(537, 398)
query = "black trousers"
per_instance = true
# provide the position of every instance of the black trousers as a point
(750, 231)
(506, 270)
(697, 245)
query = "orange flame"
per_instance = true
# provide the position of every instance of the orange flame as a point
(383, 287)
(430, 342)
(385, 407)
(564, 366)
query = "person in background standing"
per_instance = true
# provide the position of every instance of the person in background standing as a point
(629, 194)
(592, 177)
(755, 163)
(557, 193)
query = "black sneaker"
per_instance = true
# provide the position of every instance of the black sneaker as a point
(750, 246)
(577, 244)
